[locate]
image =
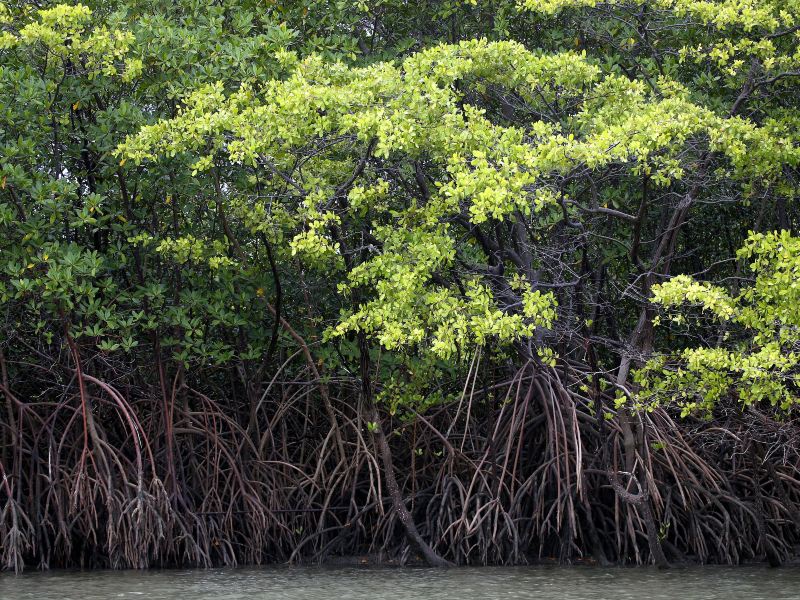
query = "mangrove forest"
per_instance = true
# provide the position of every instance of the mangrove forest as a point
(443, 282)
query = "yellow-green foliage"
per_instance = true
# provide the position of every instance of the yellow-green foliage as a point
(768, 15)
(762, 364)
(415, 111)
(735, 38)
(66, 33)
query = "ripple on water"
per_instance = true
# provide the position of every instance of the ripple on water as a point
(320, 583)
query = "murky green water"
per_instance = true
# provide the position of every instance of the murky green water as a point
(540, 583)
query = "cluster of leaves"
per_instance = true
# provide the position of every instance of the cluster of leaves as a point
(757, 358)
(415, 112)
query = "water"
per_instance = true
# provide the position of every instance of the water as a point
(540, 583)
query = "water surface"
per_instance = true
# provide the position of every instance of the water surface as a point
(310, 583)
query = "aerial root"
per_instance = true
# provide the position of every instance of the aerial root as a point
(520, 482)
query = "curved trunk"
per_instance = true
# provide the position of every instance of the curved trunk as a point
(382, 445)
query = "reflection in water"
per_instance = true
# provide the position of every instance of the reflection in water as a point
(540, 583)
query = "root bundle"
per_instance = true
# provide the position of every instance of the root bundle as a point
(105, 474)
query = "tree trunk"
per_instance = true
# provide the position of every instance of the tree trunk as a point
(382, 445)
